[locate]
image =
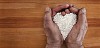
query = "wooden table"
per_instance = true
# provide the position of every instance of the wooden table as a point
(21, 22)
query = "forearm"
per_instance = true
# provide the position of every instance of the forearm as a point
(54, 42)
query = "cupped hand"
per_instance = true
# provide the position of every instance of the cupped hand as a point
(54, 37)
(77, 33)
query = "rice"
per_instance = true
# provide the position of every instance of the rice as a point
(65, 23)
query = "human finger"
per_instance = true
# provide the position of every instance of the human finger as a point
(63, 13)
(48, 18)
(67, 11)
(73, 10)
(58, 8)
(81, 17)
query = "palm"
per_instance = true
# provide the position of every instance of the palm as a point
(78, 31)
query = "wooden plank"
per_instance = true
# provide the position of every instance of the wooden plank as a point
(27, 12)
(93, 22)
(31, 9)
(19, 22)
(35, 37)
(92, 38)
(22, 38)
(93, 32)
(92, 42)
(18, 5)
(34, 22)
(50, 1)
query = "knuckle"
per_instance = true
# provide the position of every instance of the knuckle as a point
(46, 12)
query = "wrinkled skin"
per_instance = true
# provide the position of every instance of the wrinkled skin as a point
(76, 35)
(54, 37)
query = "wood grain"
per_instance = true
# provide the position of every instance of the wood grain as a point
(21, 22)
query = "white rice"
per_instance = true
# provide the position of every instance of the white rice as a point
(65, 23)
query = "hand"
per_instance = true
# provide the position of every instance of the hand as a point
(54, 37)
(76, 35)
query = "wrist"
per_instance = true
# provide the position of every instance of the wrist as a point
(53, 45)
(54, 42)
(75, 45)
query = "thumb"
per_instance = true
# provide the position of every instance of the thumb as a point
(48, 13)
(81, 16)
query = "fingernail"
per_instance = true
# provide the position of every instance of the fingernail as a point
(84, 11)
(47, 8)
(71, 5)
(67, 5)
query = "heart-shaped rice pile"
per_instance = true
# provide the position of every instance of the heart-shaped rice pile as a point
(65, 23)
